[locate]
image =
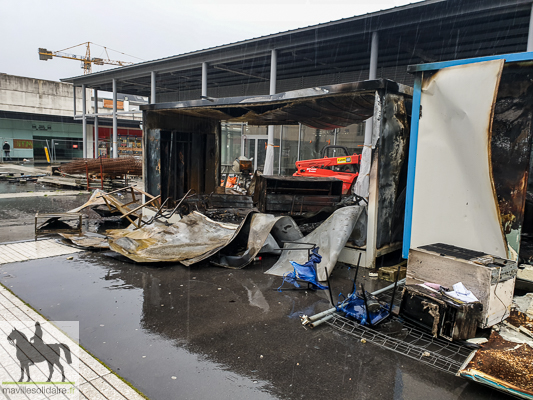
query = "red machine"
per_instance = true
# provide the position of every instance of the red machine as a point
(344, 168)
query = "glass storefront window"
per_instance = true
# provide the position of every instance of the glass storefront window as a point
(314, 140)
(286, 144)
(59, 149)
(288, 152)
(230, 142)
(352, 137)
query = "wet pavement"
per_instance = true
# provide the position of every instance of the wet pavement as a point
(17, 215)
(9, 187)
(207, 332)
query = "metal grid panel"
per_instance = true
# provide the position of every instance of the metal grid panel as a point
(416, 344)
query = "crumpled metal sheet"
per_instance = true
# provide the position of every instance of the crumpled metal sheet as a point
(88, 240)
(261, 229)
(190, 240)
(331, 237)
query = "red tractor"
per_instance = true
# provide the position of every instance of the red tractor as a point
(344, 168)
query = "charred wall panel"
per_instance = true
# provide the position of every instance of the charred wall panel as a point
(511, 147)
(182, 153)
(392, 150)
(152, 161)
(165, 153)
(212, 161)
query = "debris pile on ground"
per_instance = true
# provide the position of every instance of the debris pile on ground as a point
(112, 166)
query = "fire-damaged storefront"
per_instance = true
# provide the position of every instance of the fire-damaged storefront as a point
(182, 144)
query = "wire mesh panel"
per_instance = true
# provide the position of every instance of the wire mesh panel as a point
(411, 342)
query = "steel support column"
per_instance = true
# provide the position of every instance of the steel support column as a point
(299, 141)
(530, 32)
(84, 153)
(74, 95)
(269, 158)
(96, 123)
(374, 47)
(204, 79)
(152, 91)
(115, 122)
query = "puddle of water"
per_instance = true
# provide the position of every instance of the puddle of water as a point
(206, 332)
(8, 187)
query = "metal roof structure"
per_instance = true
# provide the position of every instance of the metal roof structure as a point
(326, 107)
(333, 52)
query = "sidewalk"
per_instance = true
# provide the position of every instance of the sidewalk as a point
(96, 381)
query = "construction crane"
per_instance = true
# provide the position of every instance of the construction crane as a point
(86, 62)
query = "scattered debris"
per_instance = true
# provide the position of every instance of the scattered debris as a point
(503, 365)
(58, 223)
(330, 236)
(305, 273)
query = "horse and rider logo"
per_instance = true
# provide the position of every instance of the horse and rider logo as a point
(35, 350)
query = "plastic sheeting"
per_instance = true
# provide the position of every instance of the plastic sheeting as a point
(331, 236)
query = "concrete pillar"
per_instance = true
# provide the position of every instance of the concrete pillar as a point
(152, 92)
(530, 32)
(269, 159)
(96, 123)
(85, 152)
(115, 122)
(204, 79)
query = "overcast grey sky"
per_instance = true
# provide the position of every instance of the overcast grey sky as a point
(150, 29)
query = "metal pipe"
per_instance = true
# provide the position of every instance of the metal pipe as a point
(379, 291)
(204, 79)
(95, 123)
(321, 314)
(374, 48)
(152, 88)
(320, 321)
(84, 120)
(530, 32)
(115, 122)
